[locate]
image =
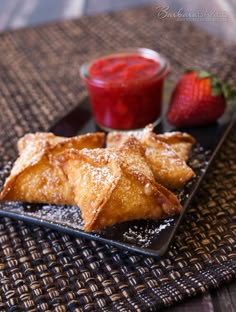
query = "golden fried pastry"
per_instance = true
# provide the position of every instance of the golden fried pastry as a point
(180, 142)
(37, 142)
(168, 167)
(35, 176)
(115, 185)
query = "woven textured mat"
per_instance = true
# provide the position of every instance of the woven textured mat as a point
(43, 270)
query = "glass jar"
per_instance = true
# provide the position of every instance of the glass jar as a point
(125, 88)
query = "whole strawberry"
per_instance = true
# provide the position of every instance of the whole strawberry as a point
(198, 99)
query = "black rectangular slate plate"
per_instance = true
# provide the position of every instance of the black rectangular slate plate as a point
(144, 236)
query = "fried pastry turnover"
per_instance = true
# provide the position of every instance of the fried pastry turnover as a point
(165, 153)
(180, 142)
(35, 176)
(115, 185)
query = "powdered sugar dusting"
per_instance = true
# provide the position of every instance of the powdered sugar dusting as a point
(143, 236)
(142, 233)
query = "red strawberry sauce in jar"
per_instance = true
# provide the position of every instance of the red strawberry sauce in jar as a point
(126, 88)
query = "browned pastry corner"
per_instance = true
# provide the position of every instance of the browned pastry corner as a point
(35, 176)
(115, 185)
(180, 142)
(166, 154)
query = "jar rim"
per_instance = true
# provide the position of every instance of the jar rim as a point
(145, 52)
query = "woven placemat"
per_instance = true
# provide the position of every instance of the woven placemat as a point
(43, 270)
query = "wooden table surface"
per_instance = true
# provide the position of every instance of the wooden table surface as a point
(21, 13)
